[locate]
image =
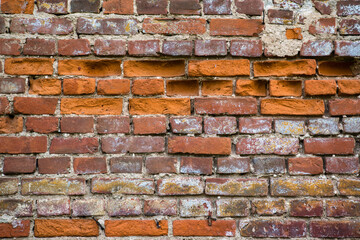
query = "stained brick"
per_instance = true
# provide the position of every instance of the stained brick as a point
(155, 165)
(186, 124)
(210, 48)
(255, 125)
(233, 165)
(196, 165)
(163, 207)
(180, 186)
(109, 47)
(262, 145)
(14, 229)
(250, 7)
(133, 144)
(35, 46)
(170, 26)
(232, 207)
(349, 187)
(52, 186)
(124, 207)
(87, 207)
(126, 164)
(269, 165)
(246, 48)
(219, 228)
(122, 186)
(56, 26)
(185, 7)
(268, 207)
(342, 165)
(351, 125)
(305, 166)
(294, 127)
(334, 229)
(177, 48)
(16, 207)
(108, 26)
(151, 7)
(233, 106)
(220, 125)
(236, 187)
(53, 207)
(280, 16)
(274, 228)
(53, 6)
(306, 208)
(108, 125)
(301, 187)
(198, 207)
(343, 208)
(10, 47)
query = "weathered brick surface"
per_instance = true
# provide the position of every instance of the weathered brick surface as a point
(219, 228)
(236, 187)
(121, 228)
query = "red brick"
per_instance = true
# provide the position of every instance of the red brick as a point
(162, 207)
(349, 87)
(236, 187)
(263, 145)
(74, 145)
(57, 26)
(250, 7)
(133, 144)
(53, 6)
(11, 125)
(284, 68)
(54, 165)
(232, 208)
(292, 187)
(45, 86)
(199, 145)
(220, 68)
(180, 186)
(255, 125)
(185, 7)
(87, 207)
(4, 105)
(246, 48)
(93, 165)
(126, 164)
(334, 229)
(77, 124)
(342, 165)
(122, 186)
(91, 68)
(146, 87)
(113, 86)
(182, 88)
(17, 228)
(305, 166)
(26, 105)
(42, 124)
(347, 7)
(343, 208)
(36, 46)
(118, 6)
(74, 47)
(150, 7)
(220, 125)
(344, 107)
(268, 207)
(29, 66)
(323, 7)
(124, 207)
(19, 165)
(349, 27)
(108, 125)
(196, 165)
(91, 106)
(18, 6)
(210, 48)
(219, 228)
(329, 145)
(121, 228)
(177, 48)
(149, 125)
(196, 207)
(233, 165)
(233, 106)
(155, 165)
(53, 186)
(147, 106)
(217, 7)
(106, 26)
(186, 124)
(170, 26)
(268, 165)
(292, 106)
(53, 207)
(109, 47)
(217, 88)
(323, 26)
(144, 47)
(306, 208)
(280, 16)
(10, 47)
(65, 227)
(17, 145)
(274, 228)
(236, 27)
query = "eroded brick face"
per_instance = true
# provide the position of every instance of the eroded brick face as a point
(180, 119)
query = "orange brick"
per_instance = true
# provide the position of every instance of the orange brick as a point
(329, 68)
(292, 106)
(45, 86)
(73, 86)
(220, 68)
(113, 86)
(90, 68)
(320, 87)
(11, 125)
(91, 106)
(29, 66)
(284, 68)
(182, 88)
(148, 87)
(17, 6)
(65, 227)
(15, 229)
(144, 106)
(121, 228)
(243, 27)
(154, 68)
(250, 88)
(294, 33)
(214, 88)
(349, 87)
(219, 228)
(281, 88)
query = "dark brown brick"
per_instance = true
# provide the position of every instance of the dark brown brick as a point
(54, 165)
(155, 165)
(151, 7)
(126, 164)
(84, 6)
(185, 7)
(19, 165)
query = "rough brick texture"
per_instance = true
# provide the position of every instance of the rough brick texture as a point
(179, 119)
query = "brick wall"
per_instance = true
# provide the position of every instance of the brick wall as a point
(180, 118)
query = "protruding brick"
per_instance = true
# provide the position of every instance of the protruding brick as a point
(329, 145)
(292, 106)
(77, 125)
(274, 229)
(280, 16)
(180, 186)
(268, 207)
(107, 26)
(324, 126)
(220, 125)
(53, 6)
(53, 186)
(66, 227)
(42, 124)
(15, 229)
(342, 165)
(255, 125)
(74, 47)
(284, 68)
(233, 106)
(171, 26)
(126, 165)
(349, 187)
(306, 208)
(122, 186)
(305, 166)
(219, 68)
(294, 127)
(217, 88)
(91, 106)
(323, 26)
(236, 27)
(198, 207)
(293, 33)
(280, 88)
(29, 66)
(219, 228)
(233, 165)
(320, 87)
(301, 187)
(108, 125)
(344, 107)
(91, 68)
(17, 145)
(147, 87)
(53, 207)
(19, 165)
(27, 105)
(236, 187)
(318, 48)
(155, 165)
(124, 207)
(250, 7)
(264, 145)
(232, 208)
(54, 165)
(334, 229)
(186, 124)
(196, 165)
(271, 165)
(133, 144)
(155, 68)
(210, 48)
(146, 106)
(56, 26)
(349, 27)
(349, 87)
(90, 165)
(109, 47)
(121, 228)
(177, 48)
(343, 208)
(19, 6)
(164, 207)
(246, 48)
(45, 86)
(87, 207)
(11, 125)
(73, 145)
